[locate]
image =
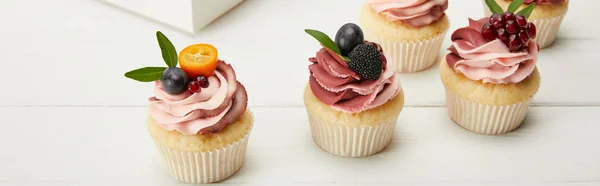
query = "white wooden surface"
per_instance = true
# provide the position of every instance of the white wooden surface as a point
(70, 117)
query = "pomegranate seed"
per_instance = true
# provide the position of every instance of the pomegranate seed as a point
(498, 24)
(512, 27)
(194, 87)
(203, 82)
(489, 35)
(514, 43)
(486, 26)
(524, 37)
(502, 34)
(521, 20)
(508, 16)
(496, 18)
(531, 30)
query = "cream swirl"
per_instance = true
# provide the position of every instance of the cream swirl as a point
(208, 111)
(333, 83)
(490, 62)
(417, 13)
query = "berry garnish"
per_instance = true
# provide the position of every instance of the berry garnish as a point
(194, 87)
(521, 20)
(197, 63)
(366, 60)
(488, 33)
(326, 41)
(202, 81)
(531, 30)
(348, 36)
(174, 81)
(514, 43)
(512, 29)
(508, 16)
(199, 60)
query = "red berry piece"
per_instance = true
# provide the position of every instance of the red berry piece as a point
(508, 16)
(502, 34)
(194, 87)
(488, 33)
(495, 18)
(523, 36)
(498, 24)
(512, 27)
(514, 43)
(203, 82)
(531, 30)
(521, 20)
(497, 21)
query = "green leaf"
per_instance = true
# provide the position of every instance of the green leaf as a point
(169, 53)
(527, 10)
(146, 74)
(344, 58)
(324, 39)
(514, 6)
(494, 7)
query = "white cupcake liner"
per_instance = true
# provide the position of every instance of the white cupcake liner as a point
(485, 119)
(204, 167)
(410, 56)
(351, 141)
(547, 29)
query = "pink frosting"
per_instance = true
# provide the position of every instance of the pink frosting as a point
(491, 62)
(333, 83)
(551, 2)
(201, 112)
(417, 13)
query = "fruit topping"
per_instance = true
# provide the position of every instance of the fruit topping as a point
(194, 87)
(348, 36)
(509, 30)
(366, 60)
(199, 60)
(512, 29)
(521, 20)
(174, 81)
(203, 82)
(531, 30)
(197, 63)
(363, 57)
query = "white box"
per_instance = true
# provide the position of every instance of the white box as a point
(187, 15)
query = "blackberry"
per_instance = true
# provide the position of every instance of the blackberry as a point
(366, 60)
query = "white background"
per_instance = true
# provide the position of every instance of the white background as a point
(70, 117)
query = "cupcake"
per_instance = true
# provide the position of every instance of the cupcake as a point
(410, 31)
(490, 79)
(197, 116)
(352, 101)
(547, 17)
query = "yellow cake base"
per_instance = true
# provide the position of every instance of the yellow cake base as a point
(377, 24)
(488, 93)
(540, 12)
(375, 116)
(232, 133)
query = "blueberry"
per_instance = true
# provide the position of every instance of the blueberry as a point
(349, 36)
(174, 81)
